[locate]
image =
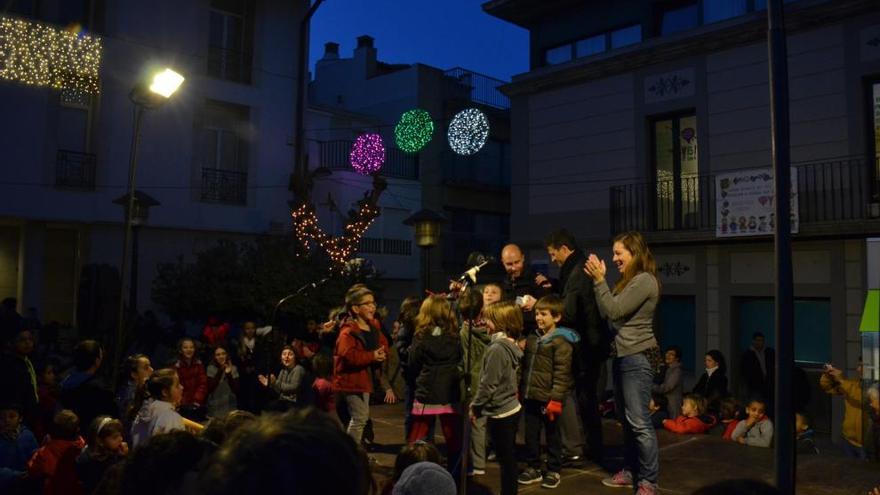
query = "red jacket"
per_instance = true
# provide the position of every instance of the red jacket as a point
(685, 425)
(352, 362)
(194, 380)
(215, 334)
(728, 431)
(55, 463)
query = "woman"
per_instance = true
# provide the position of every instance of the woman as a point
(630, 307)
(222, 384)
(288, 384)
(713, 382)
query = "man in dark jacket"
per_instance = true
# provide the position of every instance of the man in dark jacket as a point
(581, 314)
(522, 283)
(18, 381)
(83, 392)
(756, 368)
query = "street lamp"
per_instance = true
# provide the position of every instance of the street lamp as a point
(427, 229)
(139, 215)
(146, 95)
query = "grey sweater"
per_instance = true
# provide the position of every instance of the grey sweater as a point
(631, 312)
(759, 435)
(289, 382)
(496, 394)
(672, 389)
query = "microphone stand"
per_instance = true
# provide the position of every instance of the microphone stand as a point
(310, 285)
(466, 428)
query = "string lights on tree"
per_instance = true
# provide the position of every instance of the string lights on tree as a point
(367, 154)
(468, 131)
(41, 55)
(414, 130)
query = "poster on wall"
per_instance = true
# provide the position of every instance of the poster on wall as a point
(746, 203)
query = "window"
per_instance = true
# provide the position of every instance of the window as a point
(558, 55)
(229, 40)
(626, 36)
(875, 128)
(223, 152)
(679, 19)
(676, 172)
(718, 10)
(590, 46)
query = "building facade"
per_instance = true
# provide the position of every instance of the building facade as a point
(632, 115)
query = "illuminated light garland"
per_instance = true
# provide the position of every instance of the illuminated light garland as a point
(339, 249)
(414, 130)
(468, 131)
(367, 154)
(42, 55)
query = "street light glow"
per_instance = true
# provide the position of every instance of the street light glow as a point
(165, 83)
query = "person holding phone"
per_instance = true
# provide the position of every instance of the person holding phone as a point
(833, 382)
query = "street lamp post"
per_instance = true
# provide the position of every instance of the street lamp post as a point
(146, 95)
(142, 204)
(427, 229)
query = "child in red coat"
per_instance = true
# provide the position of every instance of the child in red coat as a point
(194, 379)
(54, 464)
(693, 418)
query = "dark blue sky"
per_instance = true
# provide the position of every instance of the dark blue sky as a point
(441, 33)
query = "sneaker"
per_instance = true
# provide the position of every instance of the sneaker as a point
(646, 488)
(476, 472)
(551, 480)
(529, 476)
(572, 461)
(620, 479)
(491, 457)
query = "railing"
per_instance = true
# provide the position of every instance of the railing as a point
(224, 186)
(231, 65)
(482, 88)
(377, 245)
(75, 170)
(828, 192)
(335, 156)
(490, 168)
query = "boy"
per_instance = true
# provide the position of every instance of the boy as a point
(54, 463)
(756, 430)
(17, 444)
(804, 442)
(546, 382)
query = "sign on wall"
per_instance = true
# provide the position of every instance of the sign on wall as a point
(746, 203)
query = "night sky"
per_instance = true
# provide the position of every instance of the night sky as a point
(441, 33)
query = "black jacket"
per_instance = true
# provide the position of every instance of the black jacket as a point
(16, 386)
(520, 286)
(435, 360)
(581, 313)
(750, 370)
(88, 397)
(713, 389)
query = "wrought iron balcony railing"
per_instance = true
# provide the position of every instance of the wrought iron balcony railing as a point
(75, 170)
(224, 186)
(335, 156)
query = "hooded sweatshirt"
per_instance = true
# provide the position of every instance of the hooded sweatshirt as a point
(155, 417)
(758, 435)
(548, 365)
(474, 341)
(55, 464)
(496, 393)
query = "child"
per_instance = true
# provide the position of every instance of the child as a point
(47, 394)
(136, 370)
(54, 464)
(658, 409)
(804, 435)
(492, 293)
(546, 383)
(105, 448)
(693, 417)
(435, 357)
(728, 416)
(322, 387)
(409, 455)
(17, 445)
(222, 384)
(756, 430)
(288, 382)
(474, 340)
(496, 396)
(192, 376)
(155, 407)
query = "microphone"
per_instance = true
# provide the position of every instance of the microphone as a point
(476, 261)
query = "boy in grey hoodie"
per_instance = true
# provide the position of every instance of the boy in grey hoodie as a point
(757, 429)
(496, 396)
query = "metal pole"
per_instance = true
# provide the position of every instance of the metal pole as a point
(778, 65)
(426, 269)
(299, 165)
(126, 238)
(133, 284)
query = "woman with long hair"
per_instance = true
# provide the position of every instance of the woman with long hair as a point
(713, 382)
(630, 306)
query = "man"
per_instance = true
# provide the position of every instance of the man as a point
(522, 283)
(756, 368)
(582, 314)
(18, 380)
(82, 391)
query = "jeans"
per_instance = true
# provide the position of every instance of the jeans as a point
(503, 434)
(478, 443)
(359, 410)
(633, 378)
(851, 451)
(588, 387)
(535, 419)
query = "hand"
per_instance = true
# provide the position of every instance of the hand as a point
(553, 410)
(455, 286)
(307, 353)
(595, 268)
(227, 369)
(264, 381)
(741, 440)
(272, 379)
(521, 343)
(390, 398)
(528, 302)
(379, 355)
(472, 416)
(542, 281)
(123, 449)
(750, 421)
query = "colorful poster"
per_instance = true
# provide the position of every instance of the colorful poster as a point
(745, 203)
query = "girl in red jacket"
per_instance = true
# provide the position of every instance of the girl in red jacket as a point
(194, 380)
(693, 418)
(360, 349)
(54, 464)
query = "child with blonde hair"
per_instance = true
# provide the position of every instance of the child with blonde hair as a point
(693, 419)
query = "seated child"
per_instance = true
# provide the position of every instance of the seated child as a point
(693, 417)
(17, 445)
(804, 435)
(409, 455)
(54, 464)
(729, 415)
(105, 448)
(757, 429)
(657, 407)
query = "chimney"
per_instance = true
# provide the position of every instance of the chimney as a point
(365, 56)
(365, 41)
(331, 51)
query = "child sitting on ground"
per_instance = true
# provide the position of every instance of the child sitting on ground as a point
(54, 464)
(106, 447)
(804, 435)
(757, 429)
(409, 455)
(729, 414)
(657, 407)
(693, 417)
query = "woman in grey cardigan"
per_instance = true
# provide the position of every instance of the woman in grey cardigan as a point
(630, 307)
(671, 386)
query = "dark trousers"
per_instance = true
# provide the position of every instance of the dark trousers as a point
(535, 420)
(503, 434)
(587, 388)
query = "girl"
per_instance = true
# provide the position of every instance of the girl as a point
(360, 348)
(222, 384)
(288, 382)
(693, 418)
(322, 387)
(630, 307)
(136, 370)
(193, 378)
(105, 448)
(435, 357)
(474, 341)
(154, 408)
(713, 382)
(409, 309)
(496, 397)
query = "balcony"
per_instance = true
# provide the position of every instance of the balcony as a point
(224, 186)
(480, 88)
(833, 198)
(75, 170)
(487, 170)
(376, 245)
(335, 156)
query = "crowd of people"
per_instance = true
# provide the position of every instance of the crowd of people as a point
(243, 411)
